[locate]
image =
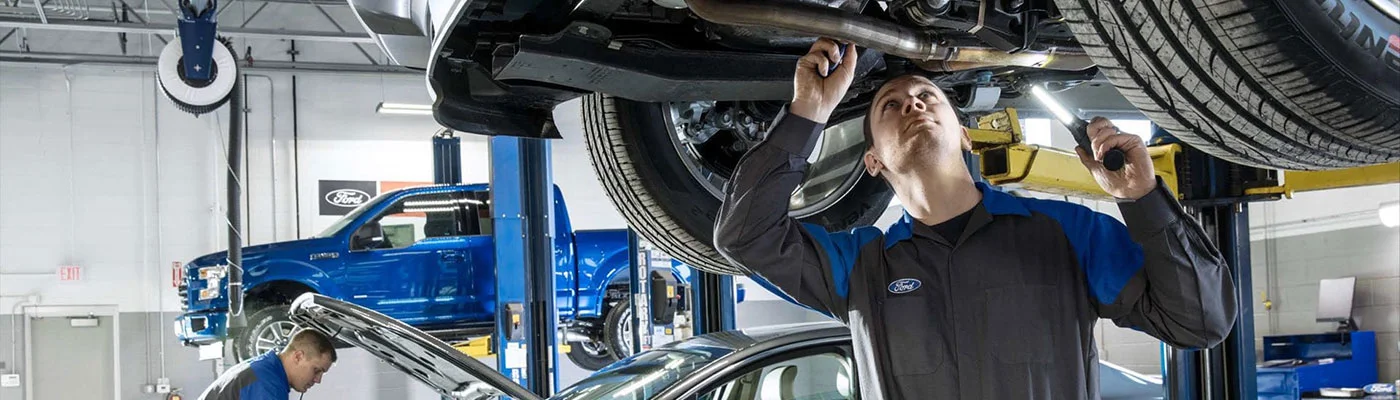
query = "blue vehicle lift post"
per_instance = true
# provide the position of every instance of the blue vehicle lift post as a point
(526, 319)
(1226, 371)
(712, 302)
(711, 298)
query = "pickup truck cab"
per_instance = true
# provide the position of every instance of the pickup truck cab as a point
(422, 255)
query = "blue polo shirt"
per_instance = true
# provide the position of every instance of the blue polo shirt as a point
(261, 378)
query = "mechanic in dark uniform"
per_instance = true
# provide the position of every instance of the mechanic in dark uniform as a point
(974, 294)
(273, 375)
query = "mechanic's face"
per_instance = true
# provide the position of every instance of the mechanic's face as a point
(305, 371)
(911, 118)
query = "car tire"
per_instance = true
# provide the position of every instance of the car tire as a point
(646, 180)
(264, 320)
(615, 329)
(591, 360)
(1259, 82)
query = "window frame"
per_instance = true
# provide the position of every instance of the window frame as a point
(459, 211)
(776, 356)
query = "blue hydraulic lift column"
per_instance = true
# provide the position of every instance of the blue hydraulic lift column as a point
(712, 302)
(522, 194)
(1226, 371)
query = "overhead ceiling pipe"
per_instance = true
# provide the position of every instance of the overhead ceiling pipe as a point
(888, 37)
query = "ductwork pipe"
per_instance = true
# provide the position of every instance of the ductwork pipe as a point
(885, 36)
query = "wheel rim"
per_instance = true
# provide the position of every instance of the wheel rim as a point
(593, 348)
(274, 336)
(706, 152)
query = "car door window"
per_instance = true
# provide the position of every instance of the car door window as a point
(822, 375)
(414, 218)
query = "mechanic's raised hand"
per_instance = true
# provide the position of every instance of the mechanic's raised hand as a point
(1136, 179)
(815, 95)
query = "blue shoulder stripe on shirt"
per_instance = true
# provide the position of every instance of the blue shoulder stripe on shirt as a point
(1106, 252)
(842, 249)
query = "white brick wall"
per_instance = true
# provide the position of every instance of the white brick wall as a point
(79, 183)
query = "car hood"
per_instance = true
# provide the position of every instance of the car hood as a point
(449, 371)
(221, 257)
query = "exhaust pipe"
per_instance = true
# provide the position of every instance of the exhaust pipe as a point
(966, 58)
(821, 21)
(885, 36)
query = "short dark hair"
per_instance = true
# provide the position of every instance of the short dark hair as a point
(312, 343)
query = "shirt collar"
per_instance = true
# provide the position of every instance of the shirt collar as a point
(269, 366)
(1001, 203)
(995, 201)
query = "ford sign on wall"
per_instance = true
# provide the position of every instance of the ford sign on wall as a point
(339, 197)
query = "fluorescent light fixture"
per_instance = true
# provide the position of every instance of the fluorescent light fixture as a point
(1389, 214)
(1051, 104)
(404, 109)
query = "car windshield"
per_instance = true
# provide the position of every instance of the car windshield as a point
(341, 223)
(642, 376)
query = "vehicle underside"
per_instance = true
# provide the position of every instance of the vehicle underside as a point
(675, 92)
(505, 65)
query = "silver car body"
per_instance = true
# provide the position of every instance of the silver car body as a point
(726, 354)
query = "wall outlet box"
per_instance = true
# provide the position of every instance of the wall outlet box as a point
(148, 388)
(163, 388)
(9, 380)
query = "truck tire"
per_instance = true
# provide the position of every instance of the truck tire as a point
(647, 181)
(617, 329)
(269, 329)
(1305, 84)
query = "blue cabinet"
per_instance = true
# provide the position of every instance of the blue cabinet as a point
(1333, 360)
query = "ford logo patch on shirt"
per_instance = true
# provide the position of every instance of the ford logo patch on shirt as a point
(905, 285)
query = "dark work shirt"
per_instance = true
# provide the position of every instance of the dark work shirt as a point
(1008, 311)
(952, 229)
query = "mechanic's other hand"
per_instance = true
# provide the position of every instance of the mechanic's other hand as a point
(1136, 179)
(816, 94)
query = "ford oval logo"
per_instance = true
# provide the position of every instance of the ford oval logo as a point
(905, 285)
(347, 197)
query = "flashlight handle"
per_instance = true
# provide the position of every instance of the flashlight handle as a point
(1113, 160)
(840, 56)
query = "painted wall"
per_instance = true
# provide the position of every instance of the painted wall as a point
(98, 170)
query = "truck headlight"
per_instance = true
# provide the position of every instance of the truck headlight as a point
(211, 277)
(215, 272)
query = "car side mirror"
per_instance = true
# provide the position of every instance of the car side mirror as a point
(369, 236)
(362, 243)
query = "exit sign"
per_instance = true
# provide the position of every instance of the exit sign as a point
(70, 273)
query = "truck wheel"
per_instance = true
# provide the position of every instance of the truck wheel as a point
(269, 329)
(592, 355)
(617, 329)
(1298, 84)
(668, 182)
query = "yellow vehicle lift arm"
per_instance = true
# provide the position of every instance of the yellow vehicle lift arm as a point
(1009, 162)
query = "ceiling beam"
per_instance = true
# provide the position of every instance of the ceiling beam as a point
(149, 63)
(156, 29)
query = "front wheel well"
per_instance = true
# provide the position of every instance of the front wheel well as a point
(275, 292)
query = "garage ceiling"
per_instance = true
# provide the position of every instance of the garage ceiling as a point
(325, 32)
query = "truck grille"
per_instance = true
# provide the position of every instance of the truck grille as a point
(183, 290)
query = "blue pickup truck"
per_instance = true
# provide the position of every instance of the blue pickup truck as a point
(424, 256)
